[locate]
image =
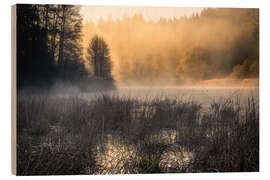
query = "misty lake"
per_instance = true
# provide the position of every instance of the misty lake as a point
(119, 146)
(203, 96)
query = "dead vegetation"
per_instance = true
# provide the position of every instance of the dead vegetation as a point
(111, 134)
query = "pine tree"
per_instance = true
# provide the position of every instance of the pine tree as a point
(99, 57)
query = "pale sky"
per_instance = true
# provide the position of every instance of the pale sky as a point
(154, 13)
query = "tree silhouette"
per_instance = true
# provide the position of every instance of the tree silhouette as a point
(98, 55)
(69, 50)
(35, 65)
(49, 44)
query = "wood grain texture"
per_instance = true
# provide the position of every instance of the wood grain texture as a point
(13, 89)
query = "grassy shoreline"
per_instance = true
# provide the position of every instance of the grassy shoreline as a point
(112, 134)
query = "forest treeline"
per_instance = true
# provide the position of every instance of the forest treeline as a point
(218, 43)
(53, 45)
(49, 48)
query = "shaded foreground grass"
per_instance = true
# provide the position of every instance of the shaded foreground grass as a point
(111, 134)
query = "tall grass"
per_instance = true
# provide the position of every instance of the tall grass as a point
(110, 134)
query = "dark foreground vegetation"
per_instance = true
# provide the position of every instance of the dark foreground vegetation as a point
(111, 134)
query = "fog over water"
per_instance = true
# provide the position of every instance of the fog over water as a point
(203, 96)
(199, 95)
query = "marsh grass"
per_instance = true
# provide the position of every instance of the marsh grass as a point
(110, 134)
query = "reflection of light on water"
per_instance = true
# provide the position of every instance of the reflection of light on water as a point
(115, 156)
(175, 159)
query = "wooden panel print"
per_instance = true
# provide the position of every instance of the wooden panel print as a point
(134, 90)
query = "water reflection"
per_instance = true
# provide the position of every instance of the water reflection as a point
(115, 155)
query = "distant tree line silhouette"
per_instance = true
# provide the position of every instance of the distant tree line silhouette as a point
(216, 43)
